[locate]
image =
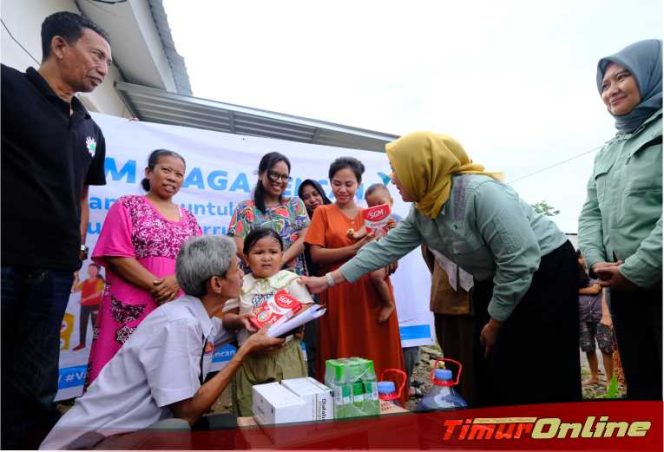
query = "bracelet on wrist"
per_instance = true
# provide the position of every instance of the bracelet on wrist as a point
(329, 279)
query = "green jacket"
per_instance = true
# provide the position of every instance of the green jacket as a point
(484, 228)
(622, 216)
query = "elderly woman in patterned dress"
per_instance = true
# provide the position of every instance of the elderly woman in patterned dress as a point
(138, 244)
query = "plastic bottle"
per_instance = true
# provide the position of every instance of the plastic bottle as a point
(336, 379)
(358, 396)
(442, 395)
(387, 393)
(343, 401)
(330, 372)
(356, 368)
(369, 380)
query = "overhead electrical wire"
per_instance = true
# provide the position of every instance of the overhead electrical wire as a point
(562, 162)
(17, 42)
(108, 2)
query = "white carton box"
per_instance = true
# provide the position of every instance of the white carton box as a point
(274, 404)
(318, 397)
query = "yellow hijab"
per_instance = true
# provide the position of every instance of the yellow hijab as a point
(424, 162)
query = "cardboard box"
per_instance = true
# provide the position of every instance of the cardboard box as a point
(318, 397)
(274, 404)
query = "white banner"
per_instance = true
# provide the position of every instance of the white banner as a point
(221, 172)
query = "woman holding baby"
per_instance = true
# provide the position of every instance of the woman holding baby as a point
(350, 327)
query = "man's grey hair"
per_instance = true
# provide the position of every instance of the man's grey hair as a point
(200, 259)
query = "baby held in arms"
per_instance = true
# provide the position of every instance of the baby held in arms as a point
(377, 222)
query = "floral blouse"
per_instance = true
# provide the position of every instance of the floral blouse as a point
(152, 235)
(287, 220)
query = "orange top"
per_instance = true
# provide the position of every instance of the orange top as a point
(350, 326)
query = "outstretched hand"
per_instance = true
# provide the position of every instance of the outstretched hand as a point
(315, 284)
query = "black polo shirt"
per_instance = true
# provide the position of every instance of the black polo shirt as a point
(48, 156)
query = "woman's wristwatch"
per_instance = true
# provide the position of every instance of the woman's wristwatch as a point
(84, 253)
(329, 279)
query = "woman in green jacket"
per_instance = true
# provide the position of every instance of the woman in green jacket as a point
(525, 271)
(620, 227)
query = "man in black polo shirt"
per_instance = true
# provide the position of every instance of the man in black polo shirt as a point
(51, 152)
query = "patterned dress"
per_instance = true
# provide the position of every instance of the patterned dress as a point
(133, 228)
(287, 219)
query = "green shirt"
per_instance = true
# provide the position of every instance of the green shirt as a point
(622, 216)
(484, 228)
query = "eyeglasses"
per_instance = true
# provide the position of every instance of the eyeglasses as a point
(276, 177)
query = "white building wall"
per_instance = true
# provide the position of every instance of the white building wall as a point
(23, 19)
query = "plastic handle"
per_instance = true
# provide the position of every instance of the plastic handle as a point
(447, 360)
(401, 373)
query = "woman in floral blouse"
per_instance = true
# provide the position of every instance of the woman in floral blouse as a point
(138, 244)
(270, 208)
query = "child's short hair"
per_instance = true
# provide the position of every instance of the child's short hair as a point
(373, 188)
(257, 234)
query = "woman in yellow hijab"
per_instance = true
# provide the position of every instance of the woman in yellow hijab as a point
(427, 162)
(525, 297)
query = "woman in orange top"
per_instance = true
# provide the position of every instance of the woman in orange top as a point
(350, 327)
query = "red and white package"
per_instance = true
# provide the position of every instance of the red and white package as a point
(377, 219)
(275, 310)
